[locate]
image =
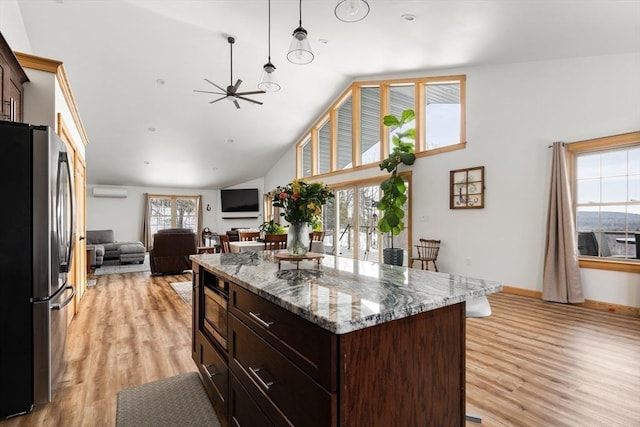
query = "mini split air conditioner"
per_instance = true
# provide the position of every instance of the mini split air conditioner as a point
(109, 192)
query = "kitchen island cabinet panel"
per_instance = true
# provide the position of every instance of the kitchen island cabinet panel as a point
(409, 372)
(309, 346)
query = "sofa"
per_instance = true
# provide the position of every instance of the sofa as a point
(171, 250)
(104, 247)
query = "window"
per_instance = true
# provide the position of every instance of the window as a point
(443, 114)
(606, 194)
(350, 133)
(370, 125)
(306, 158)
(345, 134)
(324, 147)
(173, 212)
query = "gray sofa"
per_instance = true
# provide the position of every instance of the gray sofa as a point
(105, 247)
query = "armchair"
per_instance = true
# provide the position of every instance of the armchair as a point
(171, 250)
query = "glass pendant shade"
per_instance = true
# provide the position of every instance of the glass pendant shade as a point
(352, 10)
(300, 49)
(268, 82)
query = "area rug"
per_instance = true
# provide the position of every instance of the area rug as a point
(184, 289)
(123, 268)
(175, 401)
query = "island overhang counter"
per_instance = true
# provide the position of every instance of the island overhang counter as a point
(339, 342)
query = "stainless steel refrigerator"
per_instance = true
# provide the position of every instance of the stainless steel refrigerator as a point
(36, 249)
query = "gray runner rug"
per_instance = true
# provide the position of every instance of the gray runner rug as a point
(175, 401)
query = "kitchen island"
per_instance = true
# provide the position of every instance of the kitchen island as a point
(345, 342)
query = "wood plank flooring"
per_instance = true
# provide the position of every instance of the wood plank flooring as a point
(529, 364)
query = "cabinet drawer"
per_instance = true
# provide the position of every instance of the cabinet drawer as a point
(243, 410)
(215, 372)
(282, 390)
(309, 346)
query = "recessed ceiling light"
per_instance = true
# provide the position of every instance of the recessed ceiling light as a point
(408, 17)
(230, 141)
(215, 168)
(323, 41)
(147, 162)
(160, 81)
(152, 129)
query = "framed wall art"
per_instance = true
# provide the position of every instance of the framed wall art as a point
(466, 188)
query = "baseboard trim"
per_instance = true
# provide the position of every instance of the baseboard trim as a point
(591, 304)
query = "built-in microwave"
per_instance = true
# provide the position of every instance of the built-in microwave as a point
(214, 311)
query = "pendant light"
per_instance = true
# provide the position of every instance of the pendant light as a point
(267, 81)
(352, 10)
(300, 50)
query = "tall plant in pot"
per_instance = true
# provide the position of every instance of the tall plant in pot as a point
(394, 189)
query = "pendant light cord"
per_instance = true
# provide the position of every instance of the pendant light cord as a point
(300, 13)
(269, 37)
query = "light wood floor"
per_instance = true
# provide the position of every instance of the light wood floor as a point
(529, 364)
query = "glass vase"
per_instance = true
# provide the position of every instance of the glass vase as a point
(298, 238)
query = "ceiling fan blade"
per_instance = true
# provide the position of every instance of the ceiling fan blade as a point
(251, 93)
(237, 85)
(219, 99)
(210, 82)
(235, 101)
(248, 99)
(206, 91)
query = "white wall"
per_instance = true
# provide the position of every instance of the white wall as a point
(12, 26)
(125, 216)
(513, 113)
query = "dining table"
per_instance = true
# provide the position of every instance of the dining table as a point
(254, 245)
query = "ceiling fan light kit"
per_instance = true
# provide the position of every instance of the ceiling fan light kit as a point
(351, 10)
(268, 81)
(300, 50)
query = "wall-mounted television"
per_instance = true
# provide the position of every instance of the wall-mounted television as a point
(240, 200)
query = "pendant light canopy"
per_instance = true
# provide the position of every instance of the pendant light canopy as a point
(268, 81)
(300, 49)
(352, 10)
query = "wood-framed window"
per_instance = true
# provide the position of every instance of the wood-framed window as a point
(350, 134)
(605, 175)
(169, 211)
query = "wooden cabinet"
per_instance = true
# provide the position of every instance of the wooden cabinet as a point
(210, 357)
(283, 370)
(12, 77)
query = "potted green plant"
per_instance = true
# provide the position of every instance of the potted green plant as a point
(393, 188)
(271, 227)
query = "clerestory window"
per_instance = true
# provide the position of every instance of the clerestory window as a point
(350, 133)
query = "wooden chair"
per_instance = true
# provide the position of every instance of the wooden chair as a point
(224, 244)
(427, 251)
(315, 236)
(246, 236)
(274, 242)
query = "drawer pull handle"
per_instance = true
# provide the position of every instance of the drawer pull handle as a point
(210, 371)
(265, 385)
(256, 316)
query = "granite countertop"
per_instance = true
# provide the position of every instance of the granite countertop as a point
(343, 295)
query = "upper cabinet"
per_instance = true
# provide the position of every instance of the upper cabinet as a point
(12, 77)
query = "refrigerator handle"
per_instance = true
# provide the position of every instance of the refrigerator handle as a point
(63, 304)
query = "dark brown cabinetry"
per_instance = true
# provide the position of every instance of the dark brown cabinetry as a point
(12, 77)
(283, 370)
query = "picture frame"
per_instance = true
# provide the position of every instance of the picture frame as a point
(466, 187)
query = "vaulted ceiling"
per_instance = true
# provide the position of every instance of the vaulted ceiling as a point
(133, 66)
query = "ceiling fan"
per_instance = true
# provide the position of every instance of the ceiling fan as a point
(232, 90)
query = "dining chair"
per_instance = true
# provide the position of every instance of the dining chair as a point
(224, 244)
(315, 236)
(246, 236)
(274, 242)
(427, 251)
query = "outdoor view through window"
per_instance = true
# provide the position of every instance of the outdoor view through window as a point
(608, 202)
